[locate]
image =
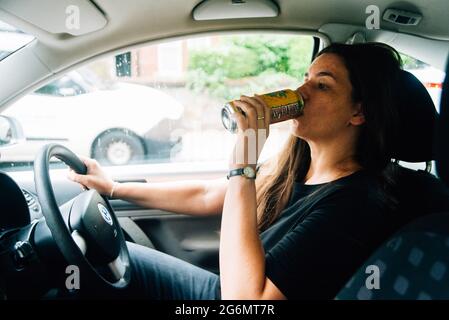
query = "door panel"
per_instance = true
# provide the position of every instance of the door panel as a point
(193, 239)
(190, 238)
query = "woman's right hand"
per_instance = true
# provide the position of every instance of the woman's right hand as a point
(95, 178)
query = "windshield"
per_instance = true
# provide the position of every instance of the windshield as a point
(11, 39)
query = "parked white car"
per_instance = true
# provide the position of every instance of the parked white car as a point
(71, 111)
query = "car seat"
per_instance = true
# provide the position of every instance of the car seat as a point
(414, 262)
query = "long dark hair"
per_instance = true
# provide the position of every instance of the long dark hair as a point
(373, 69)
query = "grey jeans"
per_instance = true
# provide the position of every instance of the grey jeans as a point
(156, 275)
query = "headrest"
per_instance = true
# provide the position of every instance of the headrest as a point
(414, 136)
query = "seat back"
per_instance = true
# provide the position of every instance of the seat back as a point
(414, 263)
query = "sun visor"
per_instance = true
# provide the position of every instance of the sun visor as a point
(74, 17)
(235, 9)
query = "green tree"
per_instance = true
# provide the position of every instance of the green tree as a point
(235, 65)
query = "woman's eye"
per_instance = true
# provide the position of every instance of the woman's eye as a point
(322, 86)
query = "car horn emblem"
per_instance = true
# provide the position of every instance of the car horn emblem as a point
(105, 214)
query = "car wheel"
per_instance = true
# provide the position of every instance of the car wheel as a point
(118, 148)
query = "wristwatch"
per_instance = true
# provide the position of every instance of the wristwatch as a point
(247, 172)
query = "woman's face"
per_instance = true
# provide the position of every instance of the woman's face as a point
(329, 110)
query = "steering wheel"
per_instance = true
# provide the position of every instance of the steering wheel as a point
(88, 235)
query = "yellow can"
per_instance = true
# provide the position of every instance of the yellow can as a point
(285, 105)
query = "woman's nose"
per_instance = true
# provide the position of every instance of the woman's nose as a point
(302, 90)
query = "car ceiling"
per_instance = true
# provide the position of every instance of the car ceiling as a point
(133, 22)
(137, 18)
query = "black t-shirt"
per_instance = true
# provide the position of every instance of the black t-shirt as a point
(324, 235)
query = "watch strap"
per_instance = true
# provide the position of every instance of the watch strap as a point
(235, 172)
(241, 172)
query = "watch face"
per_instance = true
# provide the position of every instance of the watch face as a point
(249, 172)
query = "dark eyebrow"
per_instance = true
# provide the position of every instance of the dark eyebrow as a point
(322, 74)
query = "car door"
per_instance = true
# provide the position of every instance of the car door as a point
(201, 73)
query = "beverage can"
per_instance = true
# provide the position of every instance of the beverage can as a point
(285, 105)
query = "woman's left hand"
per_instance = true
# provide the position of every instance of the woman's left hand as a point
(253, 131)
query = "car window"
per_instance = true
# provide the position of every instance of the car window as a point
(11, 39)
(160, 103)
(431, 77)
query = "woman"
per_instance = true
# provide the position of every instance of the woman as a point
(323, 205)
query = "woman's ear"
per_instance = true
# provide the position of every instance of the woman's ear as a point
(357, 118)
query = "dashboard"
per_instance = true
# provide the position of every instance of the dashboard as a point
(14, 208)
(19, 206)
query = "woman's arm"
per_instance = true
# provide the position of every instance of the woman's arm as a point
(193, 197)
(242, 257)
(188, 197)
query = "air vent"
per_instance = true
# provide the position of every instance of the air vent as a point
(32, 202)
(401, 17)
